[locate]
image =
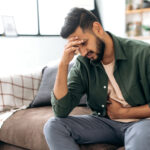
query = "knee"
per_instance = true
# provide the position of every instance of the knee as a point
(139, 130)
(49, 127)
(138, 134)
(53, 127)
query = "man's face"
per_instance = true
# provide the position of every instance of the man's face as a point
(92, 47)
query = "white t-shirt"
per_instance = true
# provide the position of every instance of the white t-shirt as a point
(114, 91)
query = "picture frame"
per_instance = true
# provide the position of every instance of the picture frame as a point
(9, 26)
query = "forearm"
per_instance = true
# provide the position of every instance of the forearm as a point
(60, 87)
(116, 111)
(138, 112)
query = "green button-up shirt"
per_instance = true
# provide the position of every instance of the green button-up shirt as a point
(132, 73)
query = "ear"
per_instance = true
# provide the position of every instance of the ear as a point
(97, 28)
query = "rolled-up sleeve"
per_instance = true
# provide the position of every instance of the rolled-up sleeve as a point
(76, 89)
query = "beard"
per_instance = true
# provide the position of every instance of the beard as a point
(100, 45)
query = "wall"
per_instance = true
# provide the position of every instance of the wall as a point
(25, 53)
(113, 15)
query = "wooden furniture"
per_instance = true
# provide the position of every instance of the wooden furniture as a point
(137, 24)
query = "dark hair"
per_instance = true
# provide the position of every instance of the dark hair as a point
(77, 17)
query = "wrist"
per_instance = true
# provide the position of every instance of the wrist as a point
(63, 64)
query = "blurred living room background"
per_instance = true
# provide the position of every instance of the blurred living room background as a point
(29, 29)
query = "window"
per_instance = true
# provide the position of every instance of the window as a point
(24, 13)
(39, 17)
(53, 12)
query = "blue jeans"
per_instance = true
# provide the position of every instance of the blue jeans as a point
(67, 133)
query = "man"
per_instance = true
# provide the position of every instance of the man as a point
(115, 74)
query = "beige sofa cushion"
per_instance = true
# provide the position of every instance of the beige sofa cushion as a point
(25, 127)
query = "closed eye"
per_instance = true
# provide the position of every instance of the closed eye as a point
(85, 43)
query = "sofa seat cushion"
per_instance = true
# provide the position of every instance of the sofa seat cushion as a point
(25, 128)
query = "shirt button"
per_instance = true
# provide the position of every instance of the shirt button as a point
(99, 113)
(103, 106)
(104, 87)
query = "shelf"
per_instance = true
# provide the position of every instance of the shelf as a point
(136, 19)
(138, 11)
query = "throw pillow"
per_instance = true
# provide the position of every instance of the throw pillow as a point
(43, 97)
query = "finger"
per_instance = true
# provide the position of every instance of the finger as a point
(74, 43)
(73, 38)
(109, 99)
(77, 51)
(72, 49)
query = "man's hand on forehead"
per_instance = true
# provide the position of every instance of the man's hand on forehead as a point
(74, 42)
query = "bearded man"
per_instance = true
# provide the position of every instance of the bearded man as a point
(114, 72)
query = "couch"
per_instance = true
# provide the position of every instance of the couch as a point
(23, 130)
